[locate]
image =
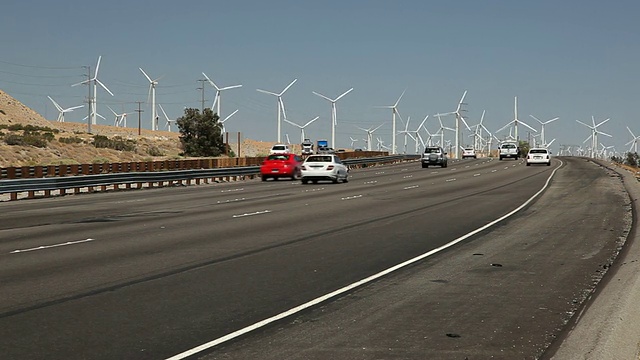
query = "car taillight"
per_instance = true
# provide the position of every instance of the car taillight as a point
(330, 167)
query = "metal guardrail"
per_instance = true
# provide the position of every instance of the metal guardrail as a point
(62, 183)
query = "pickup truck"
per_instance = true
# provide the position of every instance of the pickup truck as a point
(509, 149)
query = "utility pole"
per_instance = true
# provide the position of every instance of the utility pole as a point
(139, 111)
(201, 88)
(89, 99)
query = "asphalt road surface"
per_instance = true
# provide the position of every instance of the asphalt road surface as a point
(196, 271)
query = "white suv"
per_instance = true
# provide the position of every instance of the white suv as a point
(468, 153)
(539, 156)
(279, 149)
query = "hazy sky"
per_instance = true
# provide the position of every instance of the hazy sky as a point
(566, 58)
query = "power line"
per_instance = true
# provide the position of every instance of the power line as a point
(41, 67)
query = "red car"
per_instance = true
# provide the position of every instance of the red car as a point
(281, 165)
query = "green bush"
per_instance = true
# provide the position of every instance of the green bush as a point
(117, 143)
(71, 140)
(155, 151)
(13, 139)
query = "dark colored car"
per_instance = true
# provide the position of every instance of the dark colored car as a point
(277, 166)
(434, 155)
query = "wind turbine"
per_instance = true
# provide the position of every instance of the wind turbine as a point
(223, 130)
(62, 111)
(394, 112)
(419, 137)
(169, 121)
(406, 133)
(442, 129)
(369, 132)
(152, 94)
(633, 142)
(459, 118)
(352, 141)
(542, 124)
(334, 120)
(516, 121)
(119, 117)
(93, 101)
(280, 104)
(219, 90)
(301, 127)
(594, 134)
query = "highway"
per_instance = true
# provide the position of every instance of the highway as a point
(177, 272)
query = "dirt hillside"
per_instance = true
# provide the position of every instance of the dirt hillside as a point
(149, 145)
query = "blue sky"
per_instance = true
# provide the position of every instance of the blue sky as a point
(571, 59)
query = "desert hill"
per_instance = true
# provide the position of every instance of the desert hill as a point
(149, 145)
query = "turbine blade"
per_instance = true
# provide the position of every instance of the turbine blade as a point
(535, 118)
(60, 107)
(230, 87)
(310, 121)
(401, 95)
(322, 96)
(104, 87)
(230, 115)
(145, 75)
(267, 92)
(95, 73)
(163, 113)
(343, 94)
(114, 113)
(288, 86)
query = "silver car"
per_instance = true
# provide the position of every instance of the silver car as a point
(324, 167)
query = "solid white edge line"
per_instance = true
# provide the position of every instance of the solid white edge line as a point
(44, 247)
(323, 298)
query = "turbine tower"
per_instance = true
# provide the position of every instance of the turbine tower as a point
(369, 132)
(334, 120)
(394, 112)
(542, 124)
(93, 101)
(301, 127)
(280, 105)
(225, 119)
(219, 90)
(459, 118)
(119, 117)
(152, 94)
(633, 142)
(594, 134)
(516, 121)
(62, 111)
(169, 121)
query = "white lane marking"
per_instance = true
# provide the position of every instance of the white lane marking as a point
(231, 190)
(315, 189)
(379, 172)
(370, 182)
(51, 246)
(476, 175)
(351, 197)
(506, 168)
(448, 180)
(253, 213)
(466, 166)
(233, 200)
(411, 187)
(434, 172)
(494, 170)
(407, 176)
(350, 287)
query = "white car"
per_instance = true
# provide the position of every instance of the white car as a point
(279, 149)
(324, 167)
(538, 156)
(468, 153)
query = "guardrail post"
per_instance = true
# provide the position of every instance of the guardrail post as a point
(14, 196)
